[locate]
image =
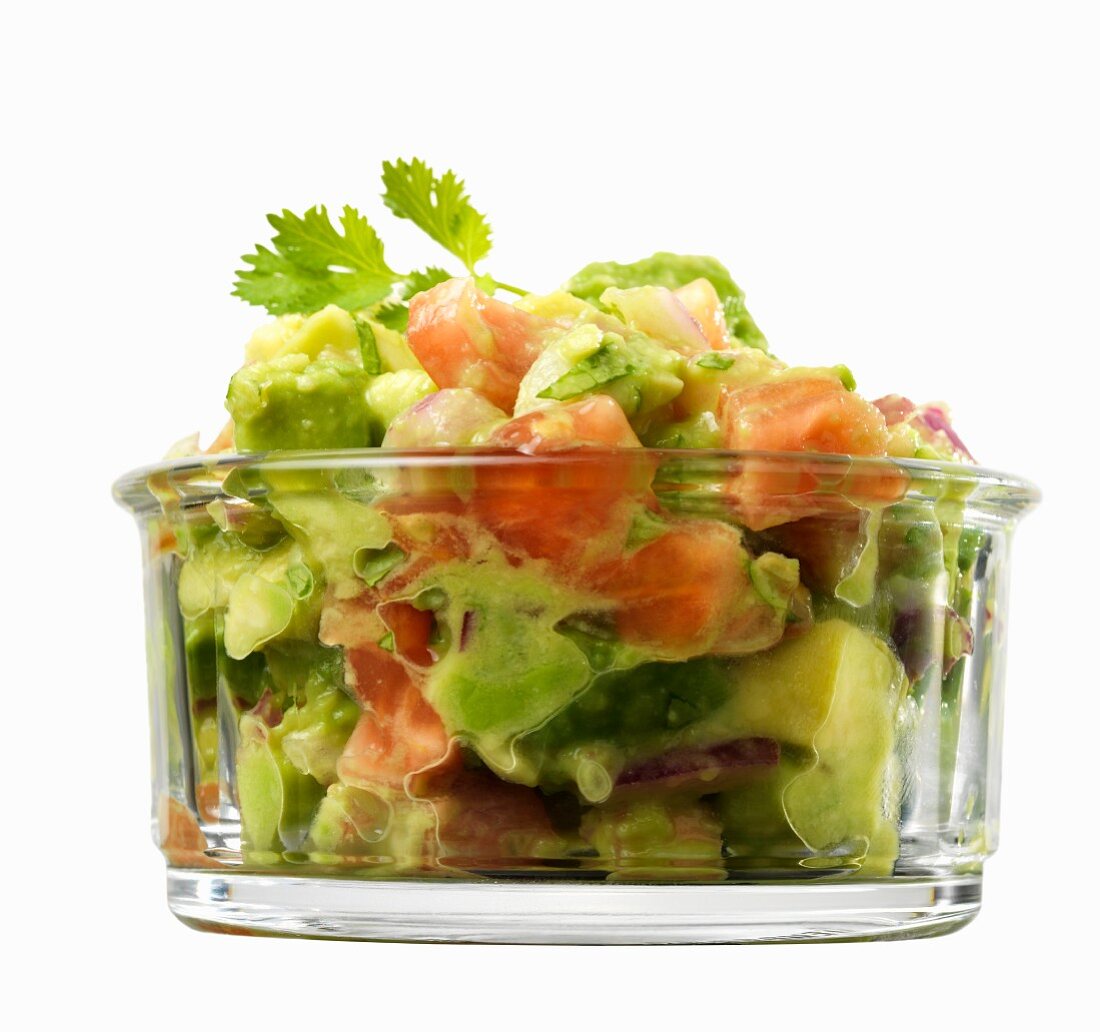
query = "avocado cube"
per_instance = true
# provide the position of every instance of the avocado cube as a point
(290, 402)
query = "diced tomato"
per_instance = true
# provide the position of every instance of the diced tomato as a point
(483, 821)
(593, 422)
(704, 305)
(556, 509)
(181, 839)
(825, 546)
(689, 592)
(399, 741)
(464, 338)
(817, 415)
(411, 629)
(808, 415)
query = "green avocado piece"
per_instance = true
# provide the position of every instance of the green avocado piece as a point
(847, 801)
(277, 800)
(200, 652)
(206, 660)
(834, 693)
(656, 840)
(291, 402)
(706, 375)
(329, 333)
(640, 374)
(701, 431)
(282, 771)
(393, 393)
(623, 715)
(356, 826)
(504, 669)
(331, 528)
(258, 611)
(672, 271)
(755, 824)
(213, 565)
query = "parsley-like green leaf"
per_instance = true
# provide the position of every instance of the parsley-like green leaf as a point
(373, 564)
(368, 347)
(605, 364)
(439, 206)
(394, 316)
(313, 264)
(715, 360)
(424, 279)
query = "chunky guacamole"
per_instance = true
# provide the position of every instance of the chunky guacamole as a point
(571, 648)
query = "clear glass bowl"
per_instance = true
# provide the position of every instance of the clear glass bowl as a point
(593, 696)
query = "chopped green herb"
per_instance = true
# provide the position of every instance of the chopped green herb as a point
(313, 264)
(439, 206)
(715, 360)
(373, 564)
(605, 364)
(300, 580)
(368, 347)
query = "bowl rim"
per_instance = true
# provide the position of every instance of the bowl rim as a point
(132, 489)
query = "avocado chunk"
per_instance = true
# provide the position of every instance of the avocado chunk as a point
(623, 715)
(835, 693)
(672, 271)
(331, 528)
(329, 333)
(503, 669)
(287, 757)
(640, 374)
(277, 800)
(656, 840)
(393, 393)
(356, 826)
(291, 402)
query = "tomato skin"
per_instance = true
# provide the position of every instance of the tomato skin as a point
(464, 338)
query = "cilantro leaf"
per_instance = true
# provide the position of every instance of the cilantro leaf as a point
(313, 264)
(605, 364)
(373, 564)
(368, 347)
(393, 315)
(715, 360)
(439, 206)
(424, 279)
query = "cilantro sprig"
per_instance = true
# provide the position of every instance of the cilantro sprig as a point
(313, 261)
(439, 206)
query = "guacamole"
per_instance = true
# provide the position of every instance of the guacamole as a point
(569, 653)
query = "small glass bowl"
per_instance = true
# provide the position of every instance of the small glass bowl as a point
(596, 696)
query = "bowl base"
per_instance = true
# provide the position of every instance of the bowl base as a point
(581, 914)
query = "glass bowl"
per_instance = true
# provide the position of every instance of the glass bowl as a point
(595, 696)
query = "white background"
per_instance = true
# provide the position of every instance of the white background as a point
(910, 189)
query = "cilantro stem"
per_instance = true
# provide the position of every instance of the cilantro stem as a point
(519, 291)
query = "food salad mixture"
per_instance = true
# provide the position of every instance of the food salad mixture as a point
(548, 625)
